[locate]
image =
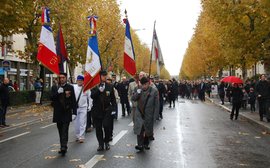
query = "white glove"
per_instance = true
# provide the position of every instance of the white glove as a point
(102, 88)
(73, 117)
(60, 90)
(139, 91)
(113, 112)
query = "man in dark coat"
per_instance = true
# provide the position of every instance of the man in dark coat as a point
(221, 92)
(161, 90)
(147, 109)
(104, 104)
(237, 97)
(64, 109)
(4, 96)
(263, 94)
(202, 88)
(123, 94)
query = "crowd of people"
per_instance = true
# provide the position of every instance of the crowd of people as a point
(142, 98)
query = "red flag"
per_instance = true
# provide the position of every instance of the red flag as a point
(46, 49)
(61, 49)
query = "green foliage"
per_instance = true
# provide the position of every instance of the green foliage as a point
(25, 97)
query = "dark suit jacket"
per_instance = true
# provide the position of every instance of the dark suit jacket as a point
(103, 102)
(63, 105)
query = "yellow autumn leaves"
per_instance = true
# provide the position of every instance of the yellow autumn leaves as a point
(228, 35)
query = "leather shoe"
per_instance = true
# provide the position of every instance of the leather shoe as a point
(146, 147)
(100, 148)
(107, 146)
(140, 148)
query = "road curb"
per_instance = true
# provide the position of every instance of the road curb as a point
(243, 116)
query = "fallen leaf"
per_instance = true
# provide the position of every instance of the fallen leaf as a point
(103, 158)
(242, 164)
(129, 145)
(243, 133)
(169, 141)
(238, 142)
(257, 137)
(75, 160)
(130, 156)
(54, 150)
(55, 144)
(50, 157)
(81, 166)
(116, 156)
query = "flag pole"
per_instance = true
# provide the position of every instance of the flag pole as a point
(152, 50)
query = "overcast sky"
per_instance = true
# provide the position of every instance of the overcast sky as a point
(175, 23)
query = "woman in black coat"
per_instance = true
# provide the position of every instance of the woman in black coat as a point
(237, 97)
(221, 92)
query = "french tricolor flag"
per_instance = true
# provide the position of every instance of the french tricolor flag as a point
(45, 15)
(46, 49)
(93, 62)
(129, 55)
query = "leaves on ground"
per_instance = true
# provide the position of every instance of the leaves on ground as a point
(118, 156)
(266, 133)
(130, 156)
(50, 157)
(75, 160)
(243, 133)
(102, 159)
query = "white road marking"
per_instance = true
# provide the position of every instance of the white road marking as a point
(131, 124)
(180, 136)
(16, 136)
(118, 136)
(91, 163)
(47, 126)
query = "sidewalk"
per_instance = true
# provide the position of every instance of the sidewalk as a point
(252, 117)
(18, 116)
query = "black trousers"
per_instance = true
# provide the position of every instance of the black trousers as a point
(142, 139)
(262, 107)
(125, 102)
(236, 106)
(89, 120)
(161, 106)
(103, 128)
(3, 113)
(252, 106)
(63, 134)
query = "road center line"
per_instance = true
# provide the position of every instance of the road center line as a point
(131, 124)
(16, 136)
(47, 126)
(91, 163)
(118, 136)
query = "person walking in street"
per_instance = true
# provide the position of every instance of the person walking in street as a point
(237, 97)
(131, 88)
(202, 88)
(83, 102)
(4, 96)
(38, 91)
(252, 99)
(104, 104)
(263, 94)
(147, 107)
(123, 93)
(161, 90)
(64, 110)
(221, 92)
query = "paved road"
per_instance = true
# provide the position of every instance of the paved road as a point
(191, 135)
